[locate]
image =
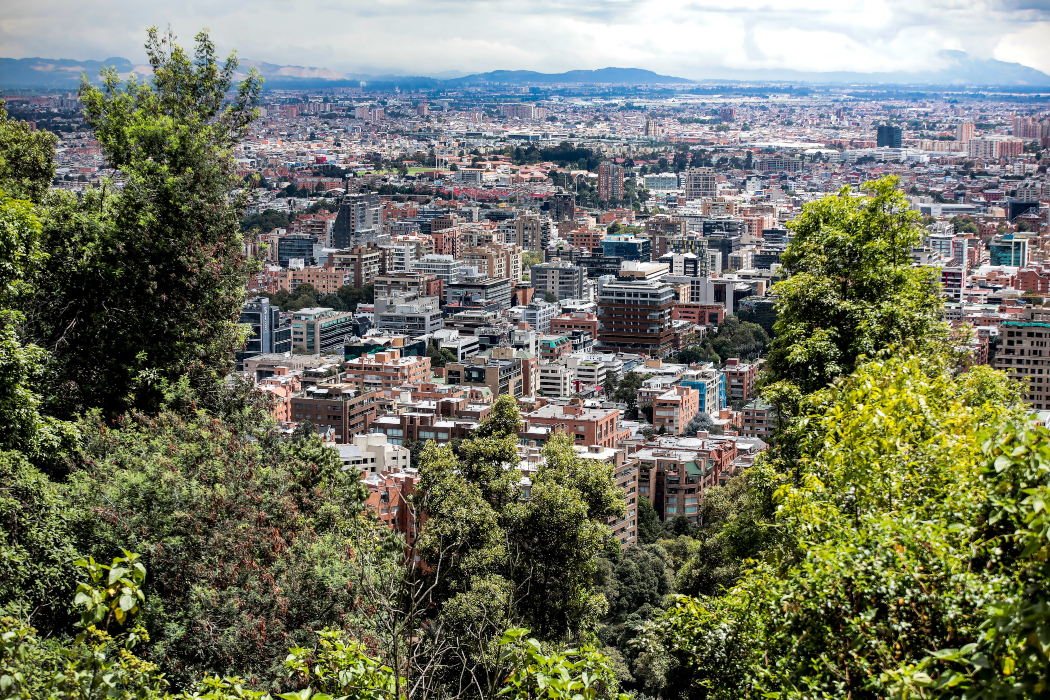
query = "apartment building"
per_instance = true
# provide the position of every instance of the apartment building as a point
(673, 409)
(740, 379)
(386, 369)
(417, 283)
(757, 419)
(360, 265)
(358, 216)
(321, 330)
(494, 261)
(587, 426)
(1024, 354)
(501, 371)
(539, 314)
(558, 277)
(409, 314)
(575, 321)
(445, 267)
(699, 183)
(610, 181)
(555, 379)
(629, 478)
(635, 316)
(343, 407)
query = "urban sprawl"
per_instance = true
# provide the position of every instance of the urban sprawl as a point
(604, 259)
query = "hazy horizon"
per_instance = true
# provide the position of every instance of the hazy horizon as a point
(448, 37)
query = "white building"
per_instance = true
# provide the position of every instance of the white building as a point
(555, 379)
(372, 453)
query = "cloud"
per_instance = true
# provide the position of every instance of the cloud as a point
(676, 37)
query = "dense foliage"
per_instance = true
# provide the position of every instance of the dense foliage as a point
(732, 338)
(851, 289)
(144, 283)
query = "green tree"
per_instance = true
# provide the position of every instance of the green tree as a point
(550, 297)
(851, 289)
(137, 292)
(872, 558)
(503, 555)
(247, 537)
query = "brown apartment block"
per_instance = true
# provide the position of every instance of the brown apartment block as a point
(757, 420)
(635, 317)
(575, 321)
(341, 407)
(740, 379)
(587, 426)
(360, 264)
(1024, 354)
(386, 370)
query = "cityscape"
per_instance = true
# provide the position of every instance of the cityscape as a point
(474, 385)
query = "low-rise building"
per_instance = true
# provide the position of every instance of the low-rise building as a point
(740, 379)
(386, 369)
(673, 410)
(587, 426)
(757, 419)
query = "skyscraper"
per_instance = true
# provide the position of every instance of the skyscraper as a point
(610, 181)
(358, 216)
(964, 133)
(889, 136)
(699, 183)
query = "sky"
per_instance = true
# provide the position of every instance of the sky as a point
(683, 38)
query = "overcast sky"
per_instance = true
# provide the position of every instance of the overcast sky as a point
(683, 38)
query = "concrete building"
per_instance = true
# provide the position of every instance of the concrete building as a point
(587, 426)
(445, 267)
(635, 316)
(699, 183)
(555, 379)
(501, 372)
(358, 217)
(740, 379)
(758, 419)
(320, 330)
(561, 278)
(495, 291)
(373, 453)
(1024, 355)
(673, 409)
(360, 264)
(409, 314)
(610, 181)
(343, 408)
(539, 314)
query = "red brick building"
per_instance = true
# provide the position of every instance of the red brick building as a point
(740, 379)
(575, 321)
(587, 426)
(700, 314)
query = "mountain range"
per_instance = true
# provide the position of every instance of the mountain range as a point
(960, 69)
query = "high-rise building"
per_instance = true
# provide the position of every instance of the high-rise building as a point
(964, 133)
(269, 334)
(610, 181)
(652, 129)
(358, 216)
(561, 278)
(699, 183)
(727, 114)
(889, 136)
(563, 207)
(1022, 356)
(635, 316)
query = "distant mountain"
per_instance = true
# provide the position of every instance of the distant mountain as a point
(616, 76)
(961, 69)
(59, 72)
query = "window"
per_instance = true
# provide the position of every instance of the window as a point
(395, 431)
(426, 434)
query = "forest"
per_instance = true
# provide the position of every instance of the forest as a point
(160, 537)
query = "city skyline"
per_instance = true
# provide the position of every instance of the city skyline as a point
(453, 38)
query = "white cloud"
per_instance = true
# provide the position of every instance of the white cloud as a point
(677, 37)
